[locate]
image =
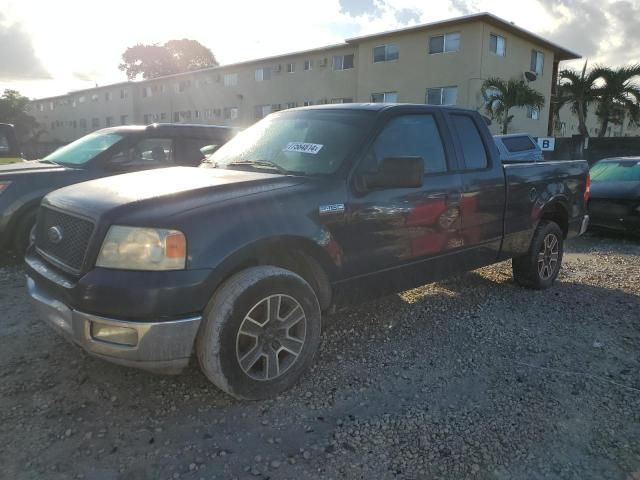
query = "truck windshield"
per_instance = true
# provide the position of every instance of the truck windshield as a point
(621, 171)
(84, 149)
(303, 142)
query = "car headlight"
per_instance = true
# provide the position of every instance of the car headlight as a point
(133, 248)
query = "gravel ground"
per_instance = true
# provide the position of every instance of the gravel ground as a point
(469, 378)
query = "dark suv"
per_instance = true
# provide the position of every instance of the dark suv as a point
(102, 153)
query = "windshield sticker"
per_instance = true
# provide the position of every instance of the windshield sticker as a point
(312, 148)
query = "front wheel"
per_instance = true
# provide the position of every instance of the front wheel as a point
(539, 268)
(260, 332)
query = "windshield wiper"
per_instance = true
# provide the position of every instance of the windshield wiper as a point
(264, 164)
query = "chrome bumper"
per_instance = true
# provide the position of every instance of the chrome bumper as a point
(164, 347)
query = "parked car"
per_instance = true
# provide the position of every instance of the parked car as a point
(518, 147)
(305, 210)
(103, 153)
(9, 147)
(615, 194)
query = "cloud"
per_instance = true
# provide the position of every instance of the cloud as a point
(408, 15)
(18, 60)
(356, 8)
(465, 7)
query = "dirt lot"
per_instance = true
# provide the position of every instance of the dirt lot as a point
(470, 378)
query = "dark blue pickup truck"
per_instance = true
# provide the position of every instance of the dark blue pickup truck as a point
(236, 260)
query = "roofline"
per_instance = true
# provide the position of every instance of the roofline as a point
(490, 17)
(561, 52)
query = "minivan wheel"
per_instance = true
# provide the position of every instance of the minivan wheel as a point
(260, 332)
(540, 267)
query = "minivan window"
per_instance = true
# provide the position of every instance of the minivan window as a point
(616, 171)
(84, 149)
(475, 155)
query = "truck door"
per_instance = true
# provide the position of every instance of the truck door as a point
(387, 228)
(483, 188)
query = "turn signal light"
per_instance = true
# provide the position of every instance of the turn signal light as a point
(587, 190)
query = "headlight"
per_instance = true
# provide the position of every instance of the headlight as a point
(133, 248)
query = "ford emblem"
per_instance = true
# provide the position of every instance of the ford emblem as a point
(55, 235)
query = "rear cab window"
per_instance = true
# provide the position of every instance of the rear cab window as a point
(473, 149)
(517, 144)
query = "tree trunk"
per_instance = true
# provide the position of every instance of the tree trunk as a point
(582, 127)
(603, 127)
(505, 123)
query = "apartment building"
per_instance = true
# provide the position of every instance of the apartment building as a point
(442, 63)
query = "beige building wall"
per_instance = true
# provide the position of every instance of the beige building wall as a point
(231, 95)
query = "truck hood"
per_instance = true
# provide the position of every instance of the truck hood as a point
(615, 190)
(29, 167)
(169, 190)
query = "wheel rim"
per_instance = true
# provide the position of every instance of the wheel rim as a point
(271, 337)
(548, 256)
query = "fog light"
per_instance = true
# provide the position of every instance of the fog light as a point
(114, 334)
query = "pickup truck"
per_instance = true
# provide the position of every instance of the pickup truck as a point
(236, 261)
(99, 154)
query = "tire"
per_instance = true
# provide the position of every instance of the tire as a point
(539, 268)
(249, 358)
(23, 231)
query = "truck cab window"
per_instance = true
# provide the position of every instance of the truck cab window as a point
(149, 152)
(475, 155)
(4, 144)
(409, 136)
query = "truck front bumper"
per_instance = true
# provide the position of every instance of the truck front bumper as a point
(163, 347)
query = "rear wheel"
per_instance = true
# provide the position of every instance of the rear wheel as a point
(260, 332)
(539, 268)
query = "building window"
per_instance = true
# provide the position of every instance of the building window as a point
(537, 62)
(124, 93)
(108, 121)
(308, 65)
(262, 111)
(83, 123)
(147, 92)
(95, 123)
(343, 62)
(386, 97)
(183, 86)
(82, 99)
(533, 113)
(291, 67)
(51, 106)
(385, 53)
(442, 96)
(497, 45)
(308, 103)
(108, 96)
(95, 97)
(292, 104)
(449, 42)
(263, 74)
(342, 100)
(230, 113)
(230, 80)
(163, 116)
(124, 119)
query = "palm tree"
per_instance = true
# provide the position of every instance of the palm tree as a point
(502, 95)
(579, 89)
(618, 97)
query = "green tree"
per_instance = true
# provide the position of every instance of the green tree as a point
(501, 96)
(618, 97)
(14, 109)
(579, 89)
(175, 56)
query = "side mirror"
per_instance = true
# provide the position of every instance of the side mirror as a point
(394, 172)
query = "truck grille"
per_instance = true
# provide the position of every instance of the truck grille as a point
(63, 238)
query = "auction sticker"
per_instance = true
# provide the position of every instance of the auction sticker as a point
(312, 148)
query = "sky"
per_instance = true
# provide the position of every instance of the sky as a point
(51, 47)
